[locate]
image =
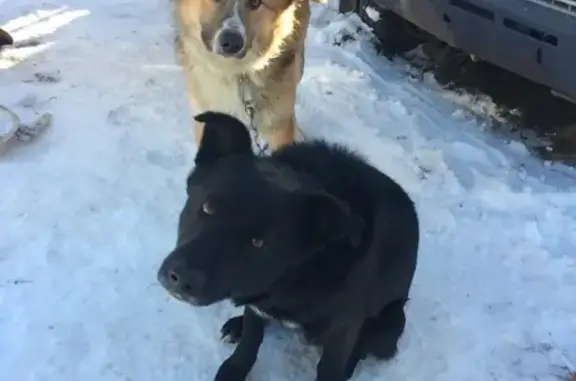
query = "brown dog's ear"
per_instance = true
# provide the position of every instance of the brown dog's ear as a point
(327, 219)
(224, 135)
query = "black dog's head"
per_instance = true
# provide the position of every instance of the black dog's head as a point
(247, 220)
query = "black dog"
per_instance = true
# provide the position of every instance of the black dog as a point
(311, 236)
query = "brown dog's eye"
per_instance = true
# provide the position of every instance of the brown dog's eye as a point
(257, 243)
(254, 4)
(207, 208)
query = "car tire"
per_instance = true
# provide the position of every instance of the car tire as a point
(395, 34)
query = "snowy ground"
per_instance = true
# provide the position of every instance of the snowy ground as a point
(88, 211)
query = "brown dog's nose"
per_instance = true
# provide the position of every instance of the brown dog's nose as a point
(231, 42)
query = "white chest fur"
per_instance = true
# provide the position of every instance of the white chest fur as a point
(213, 81)
(286, 323)
(219, 91)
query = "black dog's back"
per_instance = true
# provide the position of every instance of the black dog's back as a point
(380, 201)
(345, 175)
(381, 284)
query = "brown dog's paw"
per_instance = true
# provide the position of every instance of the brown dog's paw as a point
(231, 331)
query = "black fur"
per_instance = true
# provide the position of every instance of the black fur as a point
(312, 235)
(5, 38)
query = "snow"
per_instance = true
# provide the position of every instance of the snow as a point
(88, 210)
(372, 13)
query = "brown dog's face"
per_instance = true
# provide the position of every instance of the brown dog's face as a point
(231, 28)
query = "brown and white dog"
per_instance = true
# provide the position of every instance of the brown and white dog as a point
(238, 51)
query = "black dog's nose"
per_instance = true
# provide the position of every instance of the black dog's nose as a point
(231, 42)
(183, 281)
(174, 278)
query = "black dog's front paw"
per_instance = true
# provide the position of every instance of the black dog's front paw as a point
(231, 371)
(231, 331)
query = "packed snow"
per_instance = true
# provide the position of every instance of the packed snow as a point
(372, 13)
(88, 210)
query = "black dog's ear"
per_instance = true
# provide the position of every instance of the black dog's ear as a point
(223, 135)
(326, 219)
(5, 38)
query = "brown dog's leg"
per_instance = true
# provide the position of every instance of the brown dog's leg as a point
(196, 104)
(198, 126)
(283, 128)
(281, 134)
(298, 133)
(198, 132)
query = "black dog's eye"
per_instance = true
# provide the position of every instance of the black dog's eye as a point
(254, 4)
(207, 208)
(257, 243)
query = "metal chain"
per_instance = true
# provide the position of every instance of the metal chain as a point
(250, 108)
